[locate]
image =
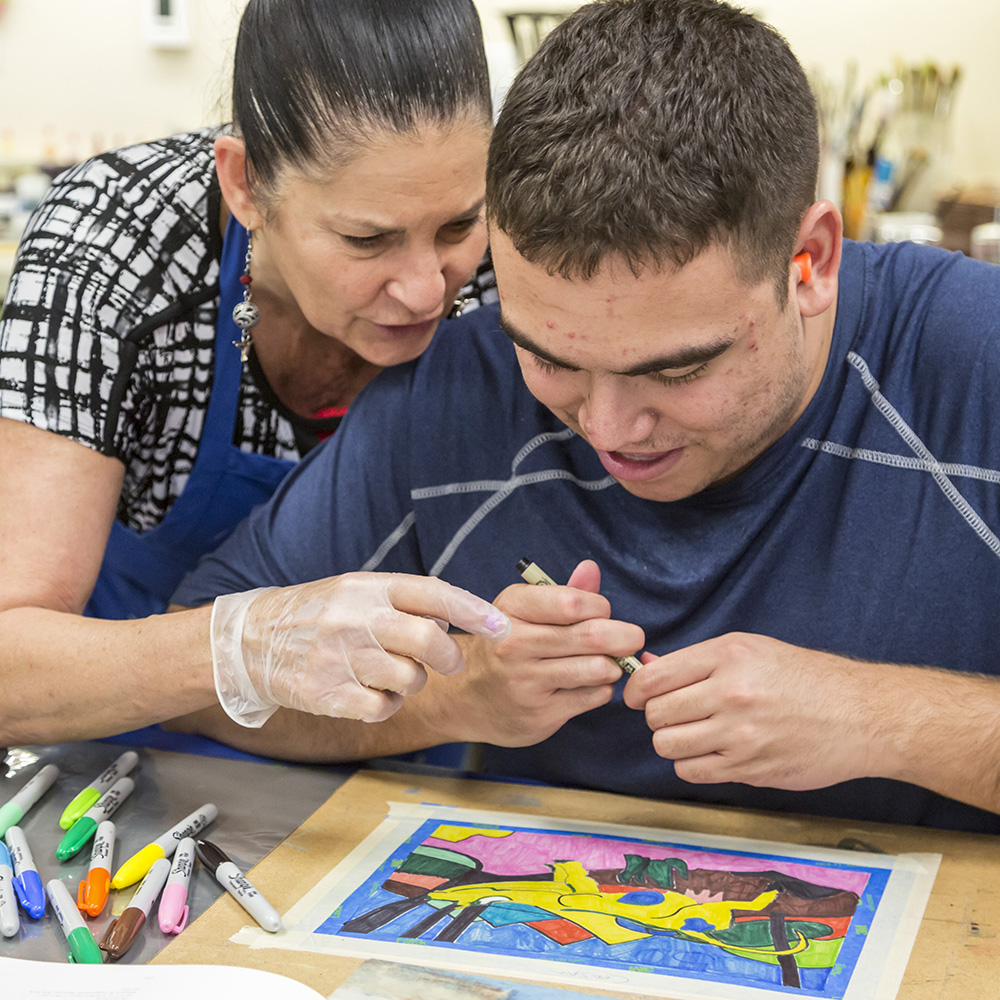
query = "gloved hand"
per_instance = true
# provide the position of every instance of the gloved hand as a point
(348, 646)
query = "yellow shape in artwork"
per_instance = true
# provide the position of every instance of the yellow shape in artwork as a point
(574, 895)
(454, 834)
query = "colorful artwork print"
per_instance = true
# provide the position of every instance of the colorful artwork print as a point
(620, 903)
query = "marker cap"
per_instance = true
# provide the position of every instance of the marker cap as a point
(30, 893)
(10, 815)
(80, 804)
(83, 948)
(173, 911)
(93, 892)
(76, 837)
(137, 866)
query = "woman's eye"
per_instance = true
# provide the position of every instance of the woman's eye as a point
(362, 242)
(461, 227)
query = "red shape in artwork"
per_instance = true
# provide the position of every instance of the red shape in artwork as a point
(559, 930)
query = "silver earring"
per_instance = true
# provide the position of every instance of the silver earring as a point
(246, 315)
(461, 304)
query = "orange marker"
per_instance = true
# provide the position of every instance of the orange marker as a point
(93, 891)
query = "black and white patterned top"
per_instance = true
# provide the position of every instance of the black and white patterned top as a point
(108, 329)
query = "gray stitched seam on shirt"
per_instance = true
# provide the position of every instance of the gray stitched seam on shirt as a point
(901, 461)
(501, 495)
(929, 462)
(386, 547)
(499, 490)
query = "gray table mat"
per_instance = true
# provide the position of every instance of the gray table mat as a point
(259, 805)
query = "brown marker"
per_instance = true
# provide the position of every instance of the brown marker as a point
(122, 932)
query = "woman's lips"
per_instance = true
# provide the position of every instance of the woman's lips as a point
(639, 467)
(406, 331)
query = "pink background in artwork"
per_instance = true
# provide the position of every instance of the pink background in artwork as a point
(528, 852)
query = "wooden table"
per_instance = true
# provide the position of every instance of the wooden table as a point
(956, 955)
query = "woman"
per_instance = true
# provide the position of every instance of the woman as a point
(185, 320)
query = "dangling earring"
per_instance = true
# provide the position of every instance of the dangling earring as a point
(460, 305)
(246, 315)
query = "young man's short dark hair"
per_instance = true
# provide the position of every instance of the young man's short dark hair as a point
(647, 129)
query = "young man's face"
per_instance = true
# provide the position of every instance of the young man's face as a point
(678, 379)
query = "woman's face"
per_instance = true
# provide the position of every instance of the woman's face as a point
(375, 255)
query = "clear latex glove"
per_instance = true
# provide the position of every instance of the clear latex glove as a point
(348, 646)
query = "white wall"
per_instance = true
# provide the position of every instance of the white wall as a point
(77, 74)
(827, 34)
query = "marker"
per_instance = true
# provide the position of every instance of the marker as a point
(533, 573)
(77, 836)
(82, 946)
(12, 812)
(140, 863)
(85, 799)
(173, 911)
(92, 893)
(238, 886)
(122, 931)
(10, 922)
(27, 881)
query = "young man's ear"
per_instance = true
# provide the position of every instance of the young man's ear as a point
(816, 264)
(230, 165)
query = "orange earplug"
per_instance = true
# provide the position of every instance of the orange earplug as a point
(804, 262)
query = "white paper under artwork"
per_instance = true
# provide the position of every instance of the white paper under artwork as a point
(634, 909)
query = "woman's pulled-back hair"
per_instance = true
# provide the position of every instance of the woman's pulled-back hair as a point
(313, 79)
(645, 130)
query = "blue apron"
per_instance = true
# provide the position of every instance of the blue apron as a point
(140, 571)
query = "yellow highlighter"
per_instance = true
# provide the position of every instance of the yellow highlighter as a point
(139, 864)
(533, 573)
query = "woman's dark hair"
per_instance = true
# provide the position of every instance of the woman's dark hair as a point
(647, 130)
(313, 79)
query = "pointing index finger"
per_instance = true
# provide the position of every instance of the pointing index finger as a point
(430, 597)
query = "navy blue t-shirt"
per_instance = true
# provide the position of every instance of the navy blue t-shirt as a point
(869, 529)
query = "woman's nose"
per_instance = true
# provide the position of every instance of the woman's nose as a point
(420, 285)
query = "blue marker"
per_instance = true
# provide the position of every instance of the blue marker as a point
(10, 922)
(27, 881)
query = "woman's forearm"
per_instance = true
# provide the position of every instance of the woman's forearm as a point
(65, 677)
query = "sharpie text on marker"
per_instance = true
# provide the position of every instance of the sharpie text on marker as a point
(238, 886)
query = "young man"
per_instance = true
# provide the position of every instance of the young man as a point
(780, 449)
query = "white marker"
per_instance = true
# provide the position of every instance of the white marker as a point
(84, 799)
(140, 862)
(82, 946)
(173, 911)
(238, 886)
(93, 890)
(122, 931)
(12, 812)
(10, 922)
(27, 881)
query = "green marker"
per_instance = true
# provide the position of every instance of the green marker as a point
(86, 798)
(12, 812)
(80, 833)
(82, 946)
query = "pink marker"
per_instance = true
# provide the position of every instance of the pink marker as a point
(173, 911)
